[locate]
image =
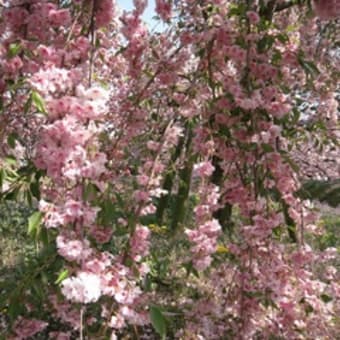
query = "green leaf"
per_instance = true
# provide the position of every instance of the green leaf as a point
(326, 298)
(15, 308)
(38, 101)
(254, 294)
(108, 212)
(295, 116)
(237, 10)
(12, 195)
(14, 49)
(10, 160)
(323, 191)
(191, 270)
(61, 277)
(2, 178)
(28, 104)
(158, 321)
(267, 147)
(290, 162)
(43, 236)
(276, 57)
(35, 189)
(265, 43)
(90, 191)
(283, 38)
(11, 139)
(308, 66)
(34, 223)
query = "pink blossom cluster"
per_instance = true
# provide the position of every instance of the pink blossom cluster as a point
(262, 228)
(62, 148)
(57, 141)
(39, 16)
(60, 335)
(73, 250)
(25, 328)
(204, 169)
(52, 80)
(102, 275)
(163, 9)
(140, 242)
(135, 31)
(210, 196)
(118, 321)
(101, 234)
(69, 212)
(65, 311)
(140, 5)
(83, 288)
(104, 12)
(327, 9)
(204, 240)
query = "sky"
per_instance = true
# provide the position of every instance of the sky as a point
(148, 13)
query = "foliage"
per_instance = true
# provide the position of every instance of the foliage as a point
(324, 191)
(13, 233)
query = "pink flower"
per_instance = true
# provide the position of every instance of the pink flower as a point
(95, 166)
(2, 85)
(151, 145)
(141, 196)
(236, 53)
(327, 9)
(134, 317)
(303, 256)
(127, 295)
(51, 80)
(204, 241)
(45, 52)
(59, 335)
(143, 180)
(278, 109)
(15, 16)
(25, 328)
(95, 93)
(104, 12)
(148, 209)
(117, 321)
(75, 163)
(73, 250)
(201, 211)
(202, 263)
(59, 17)
(101, 235)
(139, 242)
(73, 209)
(53, 218)
(163, 8)
(173, 134)
(204, 169)
(253, 17)
(97, 265)
(13, 65)
(140, 5)
(211, 228)
(83, 288)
